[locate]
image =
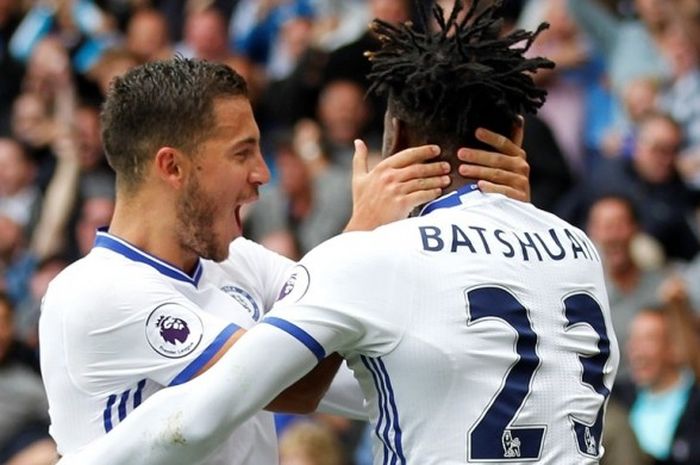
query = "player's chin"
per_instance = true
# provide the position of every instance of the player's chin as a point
(220, 252)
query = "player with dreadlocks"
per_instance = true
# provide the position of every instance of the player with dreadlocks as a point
(443, 85)
(479, 329)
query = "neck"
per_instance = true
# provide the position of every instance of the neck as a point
(625, 277)
(151, 226)
(669, 380)
(301, 204)
(415, 138)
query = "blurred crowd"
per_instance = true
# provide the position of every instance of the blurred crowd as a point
(615, 150)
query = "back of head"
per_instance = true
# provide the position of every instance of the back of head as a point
(162, 104)
(444, 85)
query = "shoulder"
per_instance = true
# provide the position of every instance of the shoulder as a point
(103, 281)
(253, 257)
(355, 247)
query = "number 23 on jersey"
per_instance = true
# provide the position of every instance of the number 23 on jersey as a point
(496, 436)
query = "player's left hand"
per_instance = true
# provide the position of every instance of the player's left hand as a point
(395, 186)
(504, 171)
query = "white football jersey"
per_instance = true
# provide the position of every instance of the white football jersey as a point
(479, 331)
(120, 324)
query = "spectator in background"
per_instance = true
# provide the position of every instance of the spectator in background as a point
(95, 212)
(649, 179)
(19, 195)
(147, 36)
(205, 37)
(349, 63)
(24, 435)
(307, 443)
(255, 25)
(312, 203)
(293, 94)
(626, 44)
(34, 128)
(569, 84)
(621, 445)
(613, 226)
(16, 263)
(80, 26)
(112, 63)
(344, 115)
(550, 176)
(96, 177)
(665, 398)
(639, 98)
(12, 71)
(681, 98)
(27, 311)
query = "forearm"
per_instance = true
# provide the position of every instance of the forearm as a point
(596, 21)
(305, 395)
(56, 207)
(179, 425)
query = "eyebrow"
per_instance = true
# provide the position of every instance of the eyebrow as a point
(247, 141)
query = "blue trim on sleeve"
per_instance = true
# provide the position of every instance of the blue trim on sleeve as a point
(298, 333)
(208, 353)
(122, 404)
(107, 414)
(139, 393)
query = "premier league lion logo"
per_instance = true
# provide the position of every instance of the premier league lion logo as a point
(288, 286)
(173, 329)
(296, 286)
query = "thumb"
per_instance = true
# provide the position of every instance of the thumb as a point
(359, 159)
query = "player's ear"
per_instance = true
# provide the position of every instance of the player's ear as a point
(400, 140)
(168, 166)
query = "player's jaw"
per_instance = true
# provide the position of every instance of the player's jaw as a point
(206, 225)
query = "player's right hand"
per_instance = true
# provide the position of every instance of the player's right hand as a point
(395, 186)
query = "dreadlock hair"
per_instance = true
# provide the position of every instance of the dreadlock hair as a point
(446, 84)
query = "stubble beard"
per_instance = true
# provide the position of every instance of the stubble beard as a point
(196, 212)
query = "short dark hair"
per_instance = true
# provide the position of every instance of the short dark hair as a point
(464, 76)
(616, 195)
(163, 103)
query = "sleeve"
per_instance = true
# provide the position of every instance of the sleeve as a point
(147, 329)
(346, 295)
(180, 425)
(269, 269)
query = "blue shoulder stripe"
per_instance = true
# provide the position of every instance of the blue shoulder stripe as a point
(299, 334)
(206, 355)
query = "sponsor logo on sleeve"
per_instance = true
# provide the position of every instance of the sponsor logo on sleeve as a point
(296, 286)
(173, 331)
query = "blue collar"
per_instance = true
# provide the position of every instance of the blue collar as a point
(452, 199)
(120, 246)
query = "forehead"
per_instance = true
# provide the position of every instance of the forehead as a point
(650, 321)
(611, 207)
(10, 150)
(660, 128)
(234, 115)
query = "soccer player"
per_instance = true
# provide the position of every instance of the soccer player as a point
(479, 329)
(164, 292)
